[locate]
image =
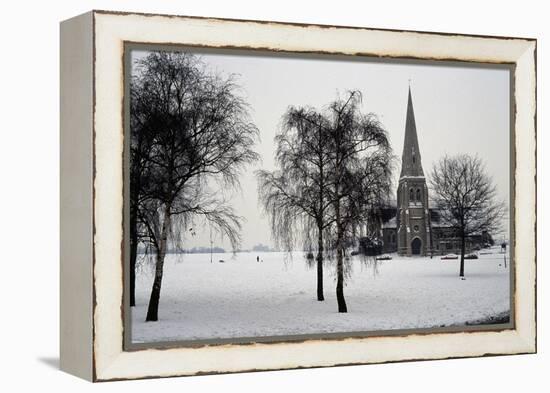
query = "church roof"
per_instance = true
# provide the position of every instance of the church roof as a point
(391, 224)
(411, 163)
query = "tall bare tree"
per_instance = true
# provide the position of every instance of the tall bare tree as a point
(295, 196)
(361, 160)
(201, 134)
(142, 132)
(466, 197)
(335, 169)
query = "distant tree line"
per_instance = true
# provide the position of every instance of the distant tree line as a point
(262, 248)
(204, 250)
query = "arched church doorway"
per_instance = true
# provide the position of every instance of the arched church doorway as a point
(416, 246)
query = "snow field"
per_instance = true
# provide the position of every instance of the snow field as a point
(244, 298)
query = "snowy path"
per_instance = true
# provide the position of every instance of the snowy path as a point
(243, 298)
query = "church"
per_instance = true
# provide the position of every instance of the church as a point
(414, 227)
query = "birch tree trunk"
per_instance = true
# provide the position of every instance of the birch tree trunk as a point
(152, 311)
(320, 295)
(339, 258)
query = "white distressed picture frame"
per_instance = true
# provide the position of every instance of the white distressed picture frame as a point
(92, 141)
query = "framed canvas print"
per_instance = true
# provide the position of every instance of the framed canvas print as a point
(247, 195)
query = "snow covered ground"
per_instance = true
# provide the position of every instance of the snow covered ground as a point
(243, 298)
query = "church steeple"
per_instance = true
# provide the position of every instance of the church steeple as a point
(413, 218)
(411, 163)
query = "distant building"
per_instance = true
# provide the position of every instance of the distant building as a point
(414, 228)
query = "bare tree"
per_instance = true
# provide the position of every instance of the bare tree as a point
(142, 130)
(335, 169)
(200, 135)
(466, 197)
(361, 162)
(295, 195)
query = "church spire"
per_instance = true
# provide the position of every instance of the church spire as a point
(411, 164)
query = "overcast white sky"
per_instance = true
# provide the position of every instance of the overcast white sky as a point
(458, 110)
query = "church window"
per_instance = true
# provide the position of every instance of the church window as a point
(411, 195)
(416, 228)
(418, 194)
